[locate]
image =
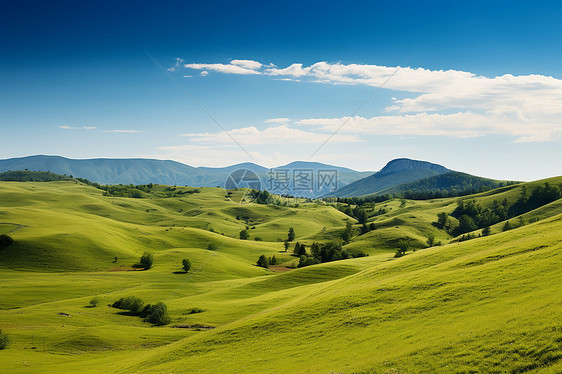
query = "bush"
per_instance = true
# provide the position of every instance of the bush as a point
(146, 260)
(94, 302)
(158, 314)
(5, 241)
(195, 311)
(4, 340)
(186, 264)
(211, 247)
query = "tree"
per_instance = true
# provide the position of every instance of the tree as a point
(94, 302)
(442, 220)
(146, 260)
(430, 239)
(262, 262)
(273, 260)
(5, 241)
(301, 249)
(361, 215)
(244, 235)
(158, 314)
(347, 233)
(291, 235)
(486, 231)
(507, 226)
(186, 264)
(372, 226)
(315, 250)
(402, 248)
(286, 245)
(466, 224)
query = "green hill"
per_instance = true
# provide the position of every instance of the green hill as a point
(489, 304)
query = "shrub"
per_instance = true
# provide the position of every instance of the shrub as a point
(94, 302)
(186, 264)
(212, 247)
(258, 239)
(158, 314)
(5, 241)
(195, 311)
(4, 340)
(146, 260)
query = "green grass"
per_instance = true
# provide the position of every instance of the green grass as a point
(490, 304)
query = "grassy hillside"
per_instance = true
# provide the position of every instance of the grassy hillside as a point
(489, 304)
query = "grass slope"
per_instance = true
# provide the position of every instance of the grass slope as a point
(486, 305)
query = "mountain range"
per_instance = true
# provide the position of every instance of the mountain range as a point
(307, 179)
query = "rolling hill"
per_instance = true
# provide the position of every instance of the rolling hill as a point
(490, 304)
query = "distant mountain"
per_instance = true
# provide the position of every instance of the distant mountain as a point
(144, 171)
(396, 172)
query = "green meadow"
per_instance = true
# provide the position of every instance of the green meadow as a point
(492, 304)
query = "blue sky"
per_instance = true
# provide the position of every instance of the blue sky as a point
(475, 86)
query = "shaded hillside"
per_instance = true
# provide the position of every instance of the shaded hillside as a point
(453, 183)
(396, 172)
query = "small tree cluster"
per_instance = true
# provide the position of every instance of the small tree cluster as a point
(262, 262)
(146, 260)
(265, 262)
(244, 235)
(299, 250)
(327, 252)
(156, 314)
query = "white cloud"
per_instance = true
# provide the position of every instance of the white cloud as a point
(460, 125)
(204, 73)
(277, 120)
(123, 131)
(222, 68)
(248, 64)
(528, 107)
(188, 76)
(67, 127)
(271, 135)
(89, 127)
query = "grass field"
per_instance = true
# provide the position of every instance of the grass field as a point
(491, 304)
